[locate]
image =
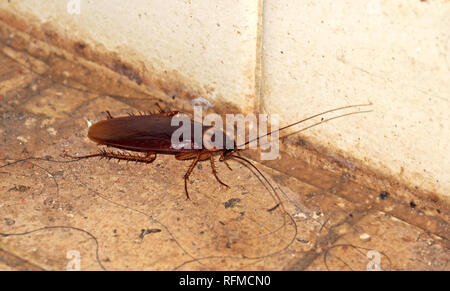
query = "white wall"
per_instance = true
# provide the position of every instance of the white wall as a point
(396, 54)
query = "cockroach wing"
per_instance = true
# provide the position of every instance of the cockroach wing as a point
(148, 133)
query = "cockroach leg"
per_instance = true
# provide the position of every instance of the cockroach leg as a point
(224, 159)
(170, 113)
(162, 112)
(228, 166)
(188, 173)
(149, 157)
(159, 107)
(108, 115)
(66, 155)
(213, 167)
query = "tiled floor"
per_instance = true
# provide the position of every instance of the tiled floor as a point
(135, 216)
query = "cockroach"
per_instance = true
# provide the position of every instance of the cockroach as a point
(151, 134)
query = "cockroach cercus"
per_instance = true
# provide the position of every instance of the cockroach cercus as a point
(151, 134)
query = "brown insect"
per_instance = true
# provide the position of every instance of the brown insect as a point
(151, 134)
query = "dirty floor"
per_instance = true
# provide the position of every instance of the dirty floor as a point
(102, 215)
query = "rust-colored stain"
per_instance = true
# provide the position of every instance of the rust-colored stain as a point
(135, 216)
